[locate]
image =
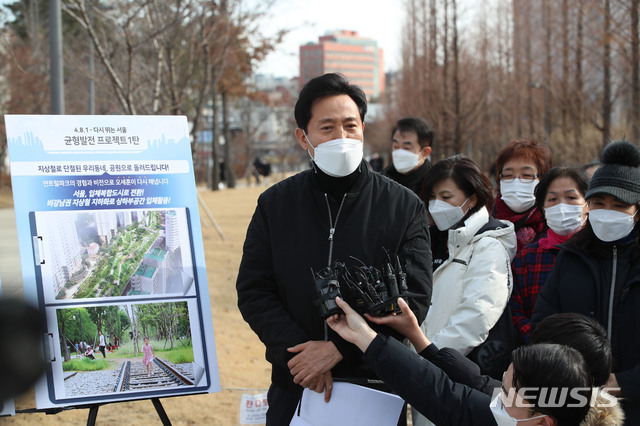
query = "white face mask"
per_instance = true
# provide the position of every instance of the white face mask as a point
(444, 214)
(404, 161)
(518, 195)
(501, 416)
(338, 157)
(563, 219)
(611, 225)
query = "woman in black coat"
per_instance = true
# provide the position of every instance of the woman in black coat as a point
(598, 271)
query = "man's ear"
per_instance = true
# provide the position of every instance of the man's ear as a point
(302, 140)
(426, 152)
(548, 421)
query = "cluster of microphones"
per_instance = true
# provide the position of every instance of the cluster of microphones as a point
(365, 288)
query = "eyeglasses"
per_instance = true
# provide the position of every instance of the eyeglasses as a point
(525, 178)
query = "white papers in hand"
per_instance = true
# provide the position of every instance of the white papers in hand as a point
(349, 405)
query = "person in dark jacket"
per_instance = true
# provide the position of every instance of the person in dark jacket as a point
(412, 142)
(536, 371)
(597, 273)
(560, 196)
(577, 331)
(337, 211)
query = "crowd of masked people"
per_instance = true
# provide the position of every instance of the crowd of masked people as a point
(521, 286)
(542, 241)
(539, 242)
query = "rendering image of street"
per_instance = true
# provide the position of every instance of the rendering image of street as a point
(111, 253)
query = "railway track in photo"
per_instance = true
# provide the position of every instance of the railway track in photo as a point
(133, 377)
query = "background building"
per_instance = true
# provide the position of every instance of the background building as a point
(106, 225)
(63, 251)
(357, 58)
(172, 231)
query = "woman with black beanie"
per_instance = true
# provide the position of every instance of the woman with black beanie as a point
(597, 273)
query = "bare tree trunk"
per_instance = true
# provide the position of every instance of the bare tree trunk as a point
(529, 65)
(170, 325)
(565, 70)
(635, 72)
(215, 131)
(578, 79)
(145, 332)
(433, 38)
(205, 85)
(547, 14)
(173, 96)
(245, 118)
(424, 57)
(158, 85)
(99, 314)
(413, 47)
(133, 322)
(518, 15)
(229, 174)
(457, 133)
(509, 64)
(606, 80)
(445, 82)
(110, 325)
(63, 335)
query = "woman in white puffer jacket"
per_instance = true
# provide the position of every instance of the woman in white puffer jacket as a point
(472, 254)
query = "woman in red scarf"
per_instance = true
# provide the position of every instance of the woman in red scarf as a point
(560, 196)
(520, 166)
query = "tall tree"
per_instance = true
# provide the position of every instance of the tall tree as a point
(635, 69)
(565, 69)
(547, 14)
(445, 83)
(577, 103)
(606, 74)
(457, 127)
(529, 66)
(132, 315)
(63, 319)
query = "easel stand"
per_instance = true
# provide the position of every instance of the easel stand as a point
(93, 413)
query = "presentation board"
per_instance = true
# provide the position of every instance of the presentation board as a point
(110, 241)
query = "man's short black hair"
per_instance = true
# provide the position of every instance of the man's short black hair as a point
(581, 333)
(417, 125)
(321, 87)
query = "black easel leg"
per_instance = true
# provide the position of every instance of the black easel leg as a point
(93, 414)
(161, 413)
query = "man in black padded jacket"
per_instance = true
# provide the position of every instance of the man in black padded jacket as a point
(338, 210)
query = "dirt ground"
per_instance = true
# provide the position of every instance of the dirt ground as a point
(241, 362)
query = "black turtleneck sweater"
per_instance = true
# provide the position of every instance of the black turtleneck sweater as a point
(336, 187)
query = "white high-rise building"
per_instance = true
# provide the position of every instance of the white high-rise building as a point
(63, 251)
(126, 219)
(172, 231)
(106, 224)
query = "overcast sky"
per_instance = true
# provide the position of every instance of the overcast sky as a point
(381, 20)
